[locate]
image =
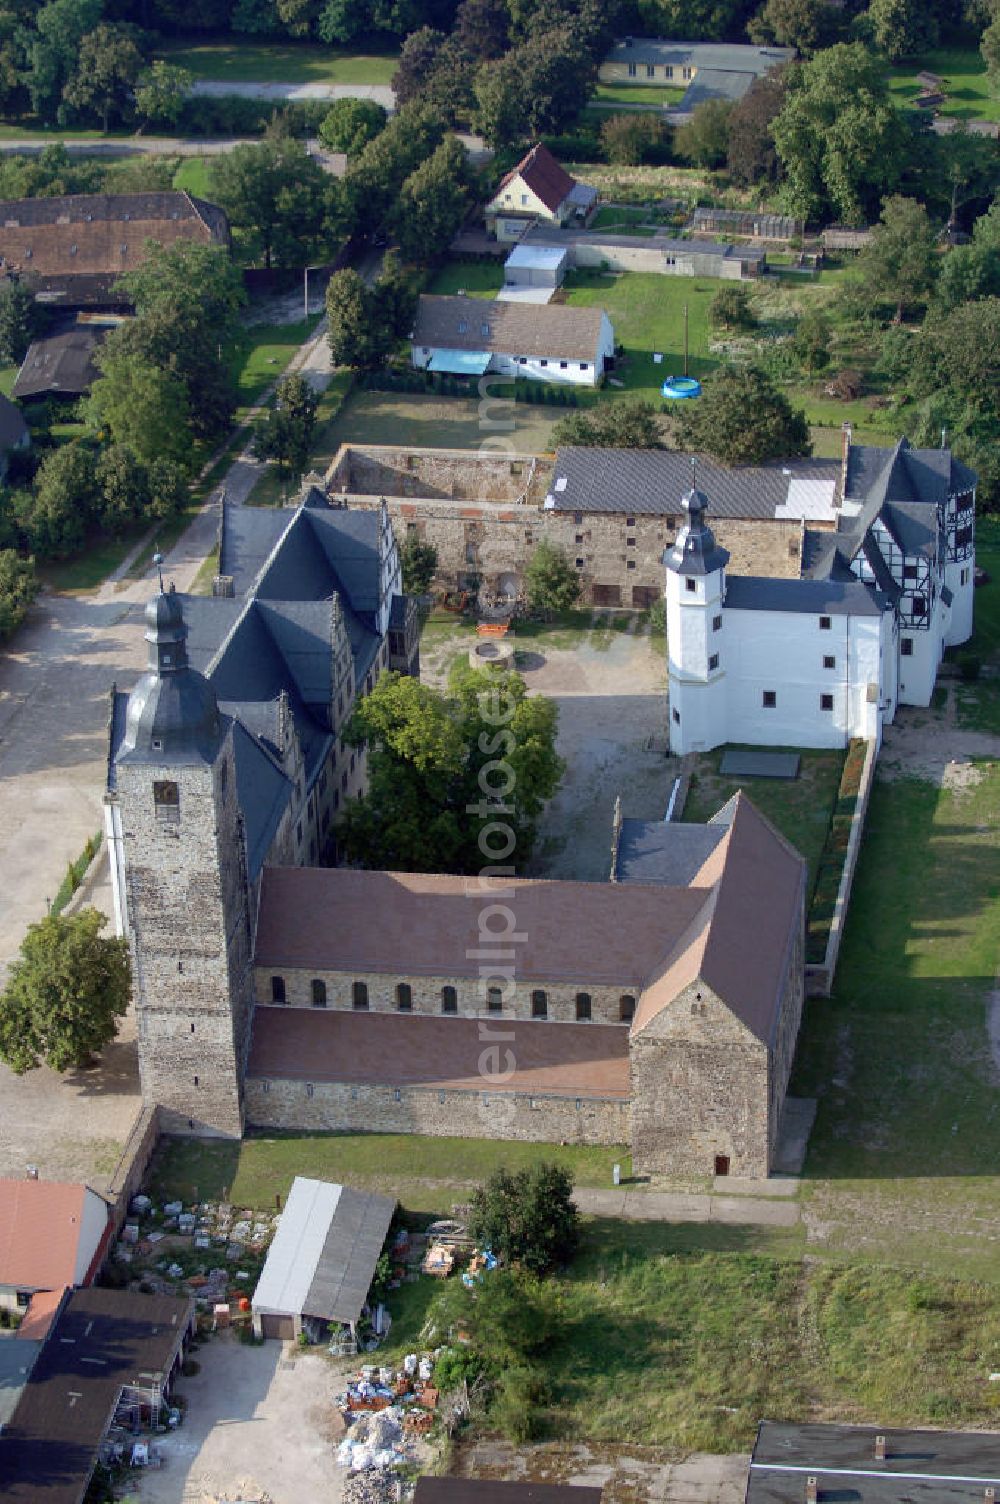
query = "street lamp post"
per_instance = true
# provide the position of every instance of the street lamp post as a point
(305, 274)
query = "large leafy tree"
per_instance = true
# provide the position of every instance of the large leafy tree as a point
(752, 156)
(278, 196)
(438, 763)
(483, 27)
(704, 140)
(187, 299)
(65, 994)
(65, 502)
(285, 433)
(433, 202)
(806, 25)
(108, 65)
(357, 335)
(52, 50)
(840, 138)
(374, 178)
(419, 560)
(20, 320)
(551, 584)
(160, 92)
(527, 1217)
(350, 124)
(900, 28)
(900, 262)
(742, 418)
(142, 406)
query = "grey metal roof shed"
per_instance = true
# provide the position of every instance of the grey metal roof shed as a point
(322, 1259)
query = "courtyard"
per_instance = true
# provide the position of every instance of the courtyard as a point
(257, 1424)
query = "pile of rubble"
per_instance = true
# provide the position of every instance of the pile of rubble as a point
(386, 1411)
(191, 1248)
(371, 1488)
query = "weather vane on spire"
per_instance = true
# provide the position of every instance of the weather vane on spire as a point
(158, 561)
(694, 472)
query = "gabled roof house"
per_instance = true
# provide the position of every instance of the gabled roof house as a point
(539, 188)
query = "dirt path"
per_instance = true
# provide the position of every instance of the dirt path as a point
(930, 744)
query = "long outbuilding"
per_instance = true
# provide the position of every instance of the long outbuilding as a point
(322, 1261)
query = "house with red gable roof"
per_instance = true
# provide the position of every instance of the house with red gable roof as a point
(52, 1237)
(537, 189)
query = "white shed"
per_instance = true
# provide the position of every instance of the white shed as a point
(535, 266)
(322, 1260)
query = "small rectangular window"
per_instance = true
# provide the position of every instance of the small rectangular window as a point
(825, 623)
(359, 995)
(826, 702)
(563, 365)
(449, 1000)
(919, 605)
(716, 623)
(906, 647)
(543, 362)
(677, 717)
(909, 571)
(713, 662)
(494, 1000)
(539, 1005)
(650, 70)
(585, 365)
(770, 699)
(630, 543)
(167, 802)
(404, 997)
(829, 662)
(631, 70)
(579, 563)
(278, 990)
(630, 522)
(630, 564)
(583, 1009)
(690, 585)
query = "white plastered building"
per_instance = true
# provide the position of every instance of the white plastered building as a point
(827, 657)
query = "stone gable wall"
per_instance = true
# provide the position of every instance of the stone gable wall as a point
(561, 1000)
(699, 1089)
(333, 1105)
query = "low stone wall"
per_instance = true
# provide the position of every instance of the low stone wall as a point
(819, 977)
(127, 1177)
(336, 1105)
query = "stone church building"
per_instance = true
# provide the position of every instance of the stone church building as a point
(659, 1009)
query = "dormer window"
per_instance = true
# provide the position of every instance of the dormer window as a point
(463, 327)
(484, 330)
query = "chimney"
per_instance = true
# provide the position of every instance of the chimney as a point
(812, 1490)
(989, 1495)
(846, 432)
(880, 1449)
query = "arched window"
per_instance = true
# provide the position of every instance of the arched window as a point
(319, 993)
(539, 1005)
(582, 1006)
(277, 989)
(359, 995)
(494, 1000)
(449, 1000)
(626, 1007)
(404, 997)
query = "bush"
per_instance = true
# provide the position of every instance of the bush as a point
(515, 1408)
(529, 1217)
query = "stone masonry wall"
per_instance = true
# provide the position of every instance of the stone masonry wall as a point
(787, 1033)
(426, 994)
(187, 903)
(441, 475)
(459, 1114)
(618, 558)
(699, 1089)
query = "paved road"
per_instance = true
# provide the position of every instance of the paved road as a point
(220, 88)
(681, 1206)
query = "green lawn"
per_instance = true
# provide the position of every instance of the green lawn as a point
(8, 375)
(624, 217)
(977, 704)
(288, 63)
(647, 311)
(966, 83)
(425, 1174)
(194, 175)
(801, 808)
(665, 97)
(406, 419)
(261, 353)
(480, 279)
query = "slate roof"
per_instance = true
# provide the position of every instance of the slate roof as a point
(552, 330)
(542, 174)
(264, 793)
(717, 83)
(815, 597)
(490, 1491)
(664, 851)
(920, 1467)
(78, 245)
(101, 1340)
(653, 481)
(726, 57)
(906, 474)
(61, 365)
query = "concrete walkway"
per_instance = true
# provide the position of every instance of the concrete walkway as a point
(685, 1206)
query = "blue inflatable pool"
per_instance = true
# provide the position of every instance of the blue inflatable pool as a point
(679, 387)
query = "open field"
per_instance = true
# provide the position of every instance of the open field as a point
(261, 353)
(800, 808)
(450, 422)
(287, 63)
(194, 175)
(966, 83)
(477, 279)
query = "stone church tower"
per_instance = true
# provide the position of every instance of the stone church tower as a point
(696, 659)
(182, 863)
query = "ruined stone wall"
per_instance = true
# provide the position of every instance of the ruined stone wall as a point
(699, 1089)
(617, 557)
(787, 1032)
(189, 932)
(561, 1001)
(438, 474)
(334, 1105)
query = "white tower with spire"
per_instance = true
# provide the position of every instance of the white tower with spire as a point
(696, 653)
